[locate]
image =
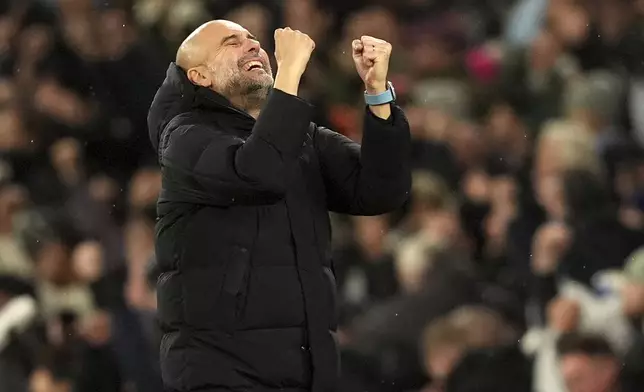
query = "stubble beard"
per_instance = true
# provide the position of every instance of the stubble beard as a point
(244, 91)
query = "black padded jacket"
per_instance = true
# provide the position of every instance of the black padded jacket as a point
(246, 294)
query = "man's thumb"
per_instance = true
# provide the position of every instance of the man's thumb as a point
(356, 47)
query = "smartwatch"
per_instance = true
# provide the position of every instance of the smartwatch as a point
(380, 99)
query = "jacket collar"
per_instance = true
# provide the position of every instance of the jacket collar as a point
(178, 95)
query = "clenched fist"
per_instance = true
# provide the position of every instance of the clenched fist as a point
(292, 50)
(371, 56)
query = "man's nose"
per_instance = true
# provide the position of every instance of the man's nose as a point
(252, 45)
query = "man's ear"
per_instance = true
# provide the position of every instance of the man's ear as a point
(199, 76)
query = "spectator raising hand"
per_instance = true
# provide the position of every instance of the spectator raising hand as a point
(563, 315)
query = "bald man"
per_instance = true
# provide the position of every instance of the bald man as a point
(246, 296)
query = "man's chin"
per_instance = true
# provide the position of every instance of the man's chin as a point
(264, 78)
(261, 83)
(259, 87)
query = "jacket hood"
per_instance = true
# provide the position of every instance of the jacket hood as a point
(178, 95)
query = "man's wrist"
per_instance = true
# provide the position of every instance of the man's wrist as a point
(288, 81)
(290, 71)
(376, 88)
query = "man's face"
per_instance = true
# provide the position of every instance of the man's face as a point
(583, 373)
(239, 66)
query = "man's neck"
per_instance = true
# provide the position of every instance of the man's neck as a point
(254, 112)
(249, 103)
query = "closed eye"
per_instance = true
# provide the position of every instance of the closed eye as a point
(231, 40)
(236, 39)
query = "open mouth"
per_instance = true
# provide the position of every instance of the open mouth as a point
(253, 65)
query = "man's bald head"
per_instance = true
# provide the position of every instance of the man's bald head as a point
(220, 55)
(200, 44)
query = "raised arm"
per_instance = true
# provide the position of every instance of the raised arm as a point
(227, 169)
(374, 178)
(371, 179)
(226, 166)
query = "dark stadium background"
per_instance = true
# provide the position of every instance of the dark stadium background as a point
(526, 212)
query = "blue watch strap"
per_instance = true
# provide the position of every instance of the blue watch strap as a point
(382, 98)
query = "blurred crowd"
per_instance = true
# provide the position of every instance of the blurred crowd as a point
(517, 264)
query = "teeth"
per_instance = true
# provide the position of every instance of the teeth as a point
(251, 64)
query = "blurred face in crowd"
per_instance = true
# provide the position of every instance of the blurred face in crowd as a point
(570, 23)
(226, 58)
(144, 188)
(54, 265)
(35, 42)
(439, 230)
(503, 203)
(476, 186)
(87, 259)
(377, 22)
(545, 51)
(440, 362)
(12, 199)
(412, 263)
(614, 17)
(12, 130)
(370, 231)
(103, 189)
(80, 36)
(7, 91)
(116, 33)
(546, 177)
(504, 130)
(442, 228)
(431, 55)
(96, 329)
(639, 6)
(306, 16)
(7, 31)
(65, 153)
(585, 373)
(501, 122)
(464, 140)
